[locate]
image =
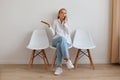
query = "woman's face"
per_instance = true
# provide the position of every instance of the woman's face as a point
(62, 14)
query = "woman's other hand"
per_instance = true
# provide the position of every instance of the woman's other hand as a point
(66, 19)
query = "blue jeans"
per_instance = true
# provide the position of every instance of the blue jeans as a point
(62, 52)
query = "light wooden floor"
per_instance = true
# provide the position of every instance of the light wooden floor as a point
(39, 72)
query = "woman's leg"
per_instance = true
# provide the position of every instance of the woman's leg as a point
(64, 48)
(65, 53)
(56, 44)
(59, 56)
(62, 52)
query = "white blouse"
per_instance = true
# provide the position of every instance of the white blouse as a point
(61, 29)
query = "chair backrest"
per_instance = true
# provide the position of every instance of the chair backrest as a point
(39, 40)
(83, 40)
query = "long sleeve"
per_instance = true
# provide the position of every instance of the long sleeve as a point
(52, 28)
(52, 31)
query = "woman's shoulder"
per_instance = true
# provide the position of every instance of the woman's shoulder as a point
(55, 21)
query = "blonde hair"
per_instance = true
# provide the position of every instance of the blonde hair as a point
(60, 11)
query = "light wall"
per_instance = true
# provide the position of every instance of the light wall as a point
(18, 18)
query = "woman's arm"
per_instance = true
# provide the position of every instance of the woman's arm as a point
(67, 27)
(51, 28)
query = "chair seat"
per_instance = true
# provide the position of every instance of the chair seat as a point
(87, 46)
(36, 48)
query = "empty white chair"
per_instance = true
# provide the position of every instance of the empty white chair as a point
(83, 40)
(38, 42)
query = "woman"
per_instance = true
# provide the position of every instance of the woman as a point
(61, 40)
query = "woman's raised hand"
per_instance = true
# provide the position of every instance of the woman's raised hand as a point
(46, 23)
(65, 19)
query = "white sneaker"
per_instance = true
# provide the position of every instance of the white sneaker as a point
(58, 71)
(69, 64)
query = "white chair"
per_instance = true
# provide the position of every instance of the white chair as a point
(39, 42)
(83, 41)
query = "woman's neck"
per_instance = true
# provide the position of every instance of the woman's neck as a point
(61, 20)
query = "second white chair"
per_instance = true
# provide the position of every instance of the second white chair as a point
(38, 43)
(83, 40)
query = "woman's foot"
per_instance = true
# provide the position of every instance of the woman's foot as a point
(58, 71)
(69, 64)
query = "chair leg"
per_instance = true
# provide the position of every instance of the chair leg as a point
(76, 58)
(53, 60)
(32, 58)
(90, 58)
(42, 53)
(45, 57)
